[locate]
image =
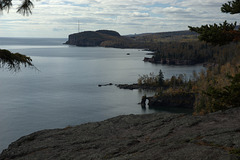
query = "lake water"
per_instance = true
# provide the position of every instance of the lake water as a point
(65, 91)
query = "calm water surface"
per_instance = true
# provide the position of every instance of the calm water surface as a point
(65, 91)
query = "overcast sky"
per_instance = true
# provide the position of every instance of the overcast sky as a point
(59, 18)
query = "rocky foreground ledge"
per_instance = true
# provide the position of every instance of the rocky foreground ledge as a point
(159, 136)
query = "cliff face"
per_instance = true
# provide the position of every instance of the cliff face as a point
(91, 38)
(157, 136)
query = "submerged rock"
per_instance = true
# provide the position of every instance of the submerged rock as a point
(156, 136)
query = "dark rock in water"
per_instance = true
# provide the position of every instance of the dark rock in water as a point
(127, 86)
(146, 59)
(150, 53)
(136, 86)
(156, 136)
(143, 101)
(169, 61)
(109, 84)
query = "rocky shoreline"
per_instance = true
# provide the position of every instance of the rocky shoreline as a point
(156, 136)
(182, 100)
(169, 61)
(179, 100)
(136, 86)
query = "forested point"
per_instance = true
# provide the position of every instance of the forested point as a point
(217, 88)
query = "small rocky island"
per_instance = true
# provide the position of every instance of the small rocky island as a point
(155, 136)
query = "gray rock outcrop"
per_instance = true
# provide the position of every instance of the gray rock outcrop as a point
(159, 136)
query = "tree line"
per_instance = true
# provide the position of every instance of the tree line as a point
(195, 51)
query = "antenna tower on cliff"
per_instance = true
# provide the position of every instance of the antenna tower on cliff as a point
(78, 26)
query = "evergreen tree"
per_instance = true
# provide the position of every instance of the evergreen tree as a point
(223, 33)
(215, 97)
(13, 61)
(231, 7)
(160, 78)
(226, 97)
(25, 8)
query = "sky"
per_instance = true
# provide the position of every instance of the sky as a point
(59, 18)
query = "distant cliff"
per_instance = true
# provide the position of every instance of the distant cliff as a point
(92, 38)
(156, 136)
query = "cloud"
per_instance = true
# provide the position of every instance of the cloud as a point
(59, 17)
(139, 14)
(171, 10)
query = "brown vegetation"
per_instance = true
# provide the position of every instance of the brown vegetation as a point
(217, 88)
